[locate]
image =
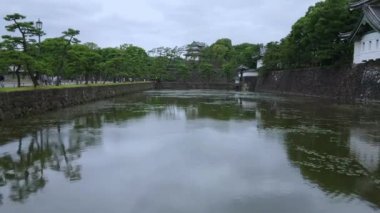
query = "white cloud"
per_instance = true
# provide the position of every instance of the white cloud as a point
(153, 23)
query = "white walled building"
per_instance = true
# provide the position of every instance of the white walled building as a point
(366, 35)
(260, 62)
(367, 48)
(260, 58)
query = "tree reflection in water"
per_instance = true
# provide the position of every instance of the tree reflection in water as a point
(319, 140)
(23, 172)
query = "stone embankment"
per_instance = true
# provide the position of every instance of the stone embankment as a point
(194, 85)
(23, 103)
(359, 83)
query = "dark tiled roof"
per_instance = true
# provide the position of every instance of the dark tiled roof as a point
(197, 44)
(376, 10)
(250, 70)
(346, 35)
(242, 67)
(371, 16)
(361, 3)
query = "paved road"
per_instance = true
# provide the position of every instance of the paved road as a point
(14, 84)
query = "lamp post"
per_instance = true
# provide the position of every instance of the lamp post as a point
(39, 31)
(241, 70)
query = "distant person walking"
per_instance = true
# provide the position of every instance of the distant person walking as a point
(2, 81)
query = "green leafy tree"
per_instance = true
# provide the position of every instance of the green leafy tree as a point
(158, 67)
(243, 54)
(220, 52)
(69, 38)
(314, 39)
(53, 55)
(136, 60)
(207, 71)
(167, 63)
(84, 62)
(183, 71)
(23, 42)
(14, 61)
(273, 57)
(112, 64)
(229, 70)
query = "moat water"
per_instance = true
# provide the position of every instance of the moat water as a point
(194, 151)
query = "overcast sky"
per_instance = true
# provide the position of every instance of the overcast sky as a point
(154, 23)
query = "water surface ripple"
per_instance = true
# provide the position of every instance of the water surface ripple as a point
(194, 151)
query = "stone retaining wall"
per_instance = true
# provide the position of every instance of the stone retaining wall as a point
(194, 85)
(360, 83)
(22, 103)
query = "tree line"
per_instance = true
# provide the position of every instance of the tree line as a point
(314, 39)
(65, 57)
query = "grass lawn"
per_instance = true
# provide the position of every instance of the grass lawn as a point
(31, 88)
